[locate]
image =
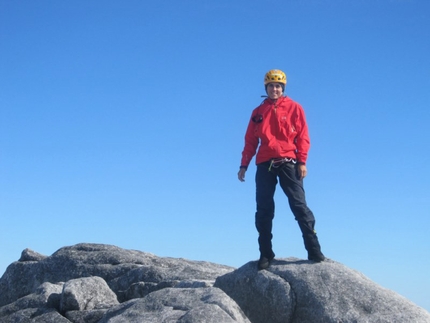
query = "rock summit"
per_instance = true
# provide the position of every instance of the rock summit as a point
(95, 283)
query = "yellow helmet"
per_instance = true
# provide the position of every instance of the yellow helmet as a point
(275, 76)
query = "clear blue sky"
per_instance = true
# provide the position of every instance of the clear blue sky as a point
(122, 122)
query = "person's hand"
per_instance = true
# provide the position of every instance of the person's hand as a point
(241, 174)
(302, 171)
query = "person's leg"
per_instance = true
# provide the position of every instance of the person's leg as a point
(265, 189)
(293, 188)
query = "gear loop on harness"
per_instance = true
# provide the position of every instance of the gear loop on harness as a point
(277, 162)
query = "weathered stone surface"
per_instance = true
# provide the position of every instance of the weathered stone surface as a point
(35, 315)
(92, 283)
(87, 294)
(326, 292)
(93, 316)
(30, 255)
(262, 295)
(46, 295)
(105, 261)
(181, 305)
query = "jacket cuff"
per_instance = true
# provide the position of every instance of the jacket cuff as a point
(242, 166)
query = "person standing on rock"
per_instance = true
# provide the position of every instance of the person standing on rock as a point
(279, 130)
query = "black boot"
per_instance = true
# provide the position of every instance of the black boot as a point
(266, 252)
(313, 247)
(264, 261)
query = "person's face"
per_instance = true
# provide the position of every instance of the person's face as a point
(274, 90)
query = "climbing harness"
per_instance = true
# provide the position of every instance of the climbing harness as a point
(277, 162)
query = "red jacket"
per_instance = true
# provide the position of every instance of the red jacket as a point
(280, 129)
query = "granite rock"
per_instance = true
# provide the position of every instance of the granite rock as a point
(94, 283)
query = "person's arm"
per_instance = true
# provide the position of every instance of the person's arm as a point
(302, 144)
(302, 138)
(251, 144)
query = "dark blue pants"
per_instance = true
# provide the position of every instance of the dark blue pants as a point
(266, 181)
